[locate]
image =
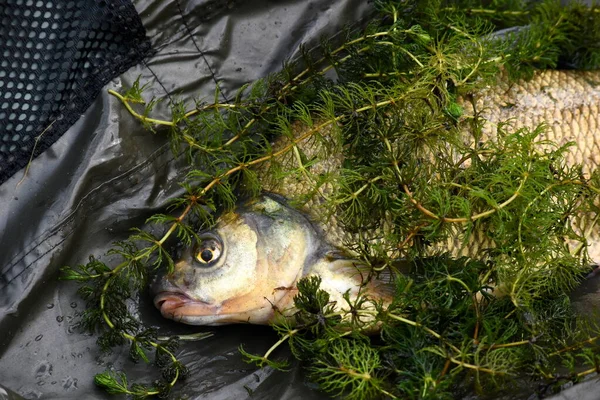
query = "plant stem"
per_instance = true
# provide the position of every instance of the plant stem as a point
(444, 370)
(280, 342)
(587, 372)
(505, 345)
(485, 11)
(464, 220)
(137, 115)
(174, 224)
(415, 324)
(575, 346)
(385, 392)
(333, 53)
(476, 367)
(355, 194)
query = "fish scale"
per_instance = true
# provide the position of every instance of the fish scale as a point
(565, 101)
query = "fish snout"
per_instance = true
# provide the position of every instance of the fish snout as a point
(161, 283)
(165, 282)
(167, 301)
(175, 301)
(162, 289)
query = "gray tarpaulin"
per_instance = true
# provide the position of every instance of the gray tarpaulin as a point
(107, 174)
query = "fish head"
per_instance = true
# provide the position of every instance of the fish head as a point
(243, 270)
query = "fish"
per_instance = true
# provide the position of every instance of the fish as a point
(246, 269)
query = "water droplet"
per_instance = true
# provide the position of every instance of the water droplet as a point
(30, 393)
(60, 319)
(69, 383)
(41, 383)
(53, 383)
(43, 370)
(50, 305)
(73, 305)
(39, 337)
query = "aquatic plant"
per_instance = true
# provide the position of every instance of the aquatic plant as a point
(395, 92)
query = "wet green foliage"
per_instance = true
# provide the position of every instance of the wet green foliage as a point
(456, 324)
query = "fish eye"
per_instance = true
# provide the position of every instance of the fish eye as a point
(208, 251)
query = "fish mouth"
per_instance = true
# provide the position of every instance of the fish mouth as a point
(178, 306)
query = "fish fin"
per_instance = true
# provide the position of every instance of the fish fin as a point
(595, 271)
(333, 254)
(384, 284)
(277, 197)
(380, 284)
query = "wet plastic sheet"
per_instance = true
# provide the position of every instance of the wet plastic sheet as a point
(107, 174)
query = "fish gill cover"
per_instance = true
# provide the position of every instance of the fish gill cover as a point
(396, 107)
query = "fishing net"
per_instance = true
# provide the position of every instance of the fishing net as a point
(56, 57)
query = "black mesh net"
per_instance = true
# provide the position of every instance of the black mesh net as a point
(56, 56)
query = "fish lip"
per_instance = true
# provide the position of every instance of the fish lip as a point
(169, 301)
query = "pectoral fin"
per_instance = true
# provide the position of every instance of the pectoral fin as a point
(359, 278)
